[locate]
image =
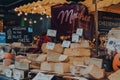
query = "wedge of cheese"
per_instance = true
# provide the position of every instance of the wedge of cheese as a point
(41, 58)
(55, 57)
(114, 76)
(94, 72)
(77, 52)
(96, 61)
(46, 66)
(62, 68)
(58, 48)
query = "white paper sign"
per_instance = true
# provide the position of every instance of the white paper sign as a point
(75, 37)
(2, 53)
(8, 72)
(17, 75)
(113, 44)
(41, 76)
(62, 57)
(66, 44)
(51, 33)
(50, 45)
(79, 31)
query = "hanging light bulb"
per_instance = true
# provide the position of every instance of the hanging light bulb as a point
(50, 16)
(30, 22)
(34, 21)
(18, 14)
(26, 14)
(25, 19)
(41, 18)
(47, 16)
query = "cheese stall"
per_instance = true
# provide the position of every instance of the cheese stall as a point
(84, 46)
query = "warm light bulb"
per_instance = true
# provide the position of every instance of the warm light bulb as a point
(35, 21)
(47, 16)
(41, 18)
(25, 19)
(26, 14)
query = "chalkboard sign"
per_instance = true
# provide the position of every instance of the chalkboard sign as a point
(2, 37)
(18, 34)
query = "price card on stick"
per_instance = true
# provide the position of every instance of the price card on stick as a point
(66, 43)
(75, 37)
(51, 33)
(50, 45)
(79, 31)
(8, 72)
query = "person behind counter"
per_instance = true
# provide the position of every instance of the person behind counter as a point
(43, 39)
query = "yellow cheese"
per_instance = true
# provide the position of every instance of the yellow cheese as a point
(62, 67)
(45, 66)
(114, 76)
(77, 52)
(41, 58)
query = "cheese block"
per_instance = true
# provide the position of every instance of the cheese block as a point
(96, 61)
(41, 58)
(46, 66)
(114, 76)
(43, 48)
(79, 60)
(93, 72)
(7, 62)
(55, 57)
(74, 45)
(35, 65)
(21, 65)
(77, 52)
(32, 57)
(83, 44)
(62, 67)
(58, 48)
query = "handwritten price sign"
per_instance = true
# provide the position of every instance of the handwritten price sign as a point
(75, 37)
(79, 31)
(66, 44)
(50, 45)
(51, 33)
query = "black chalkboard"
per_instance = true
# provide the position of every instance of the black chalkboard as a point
(18, 34)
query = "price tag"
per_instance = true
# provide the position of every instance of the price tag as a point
(50, 45)
(113, 44)
(8, 72)
(2, 53)
(79, 31)
(75, 37)
(17, 75)
(41, 76)
(66, 44)
(51, 33)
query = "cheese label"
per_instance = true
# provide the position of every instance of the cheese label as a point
(66, 44)
(50, 45)
(17, 75)
(51, 32)
(41, 76)
(8, 72)
(79, 31)
(75, 37)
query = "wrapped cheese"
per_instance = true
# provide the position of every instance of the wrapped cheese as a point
(55, 57)
(58, 48)
(79, 60)
(114, 76)
(41, 58)
(77, 52)
(45, 66)
(83, 44)
(93, 71)
(96, 61)
(32, 57)
(21, 65)
(62, 67)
